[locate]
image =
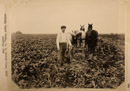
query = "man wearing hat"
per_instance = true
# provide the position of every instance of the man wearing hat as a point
(62, 42)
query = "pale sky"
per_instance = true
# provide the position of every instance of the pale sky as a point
(47, 16)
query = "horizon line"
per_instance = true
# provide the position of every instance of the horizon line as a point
(57, 33)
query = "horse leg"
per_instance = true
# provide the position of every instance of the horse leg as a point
(74, 43)
(83, 43)
(91, 52)
(86, 53)
(93, 48)
(87, 50)
(86, 44)
(89, 47)
(80, 43)
(94, 45)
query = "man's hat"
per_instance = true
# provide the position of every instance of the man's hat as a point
(63, 27)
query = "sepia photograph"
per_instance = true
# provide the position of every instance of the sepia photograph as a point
(68, 44)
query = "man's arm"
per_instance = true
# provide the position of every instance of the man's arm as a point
(57, 41)
(68, 40)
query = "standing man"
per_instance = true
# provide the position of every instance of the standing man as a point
(62, 42)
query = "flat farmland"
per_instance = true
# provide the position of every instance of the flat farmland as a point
(35, 63)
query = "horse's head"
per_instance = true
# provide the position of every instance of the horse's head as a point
(74, 32)
(90, 26)
(82, 28)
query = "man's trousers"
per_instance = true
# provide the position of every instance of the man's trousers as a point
(62, 51)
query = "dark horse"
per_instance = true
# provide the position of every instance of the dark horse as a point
(91, 38)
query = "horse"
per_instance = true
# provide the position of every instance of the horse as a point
(78, 36)
(91, 38)
(82, 36)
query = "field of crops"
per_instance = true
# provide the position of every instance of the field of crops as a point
(35, 64)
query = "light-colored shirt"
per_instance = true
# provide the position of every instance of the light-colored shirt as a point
(62, 38)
